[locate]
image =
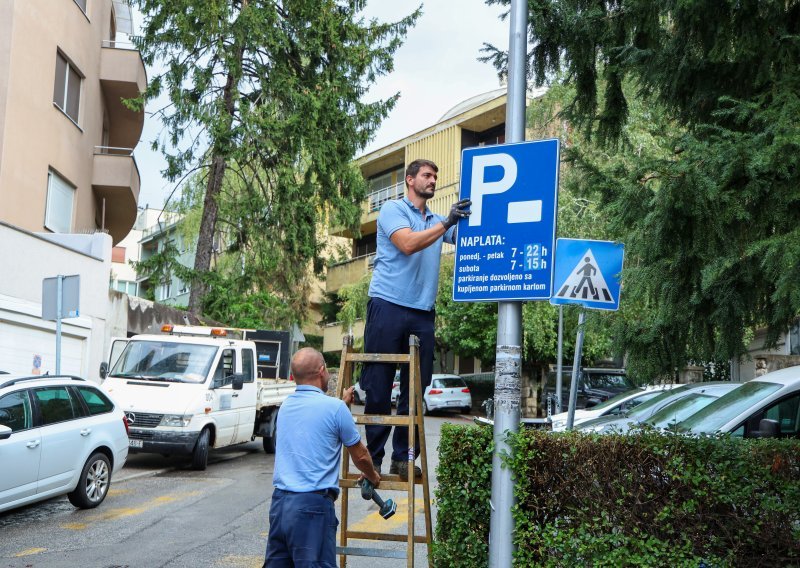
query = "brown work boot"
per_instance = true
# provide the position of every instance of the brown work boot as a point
(401, 468)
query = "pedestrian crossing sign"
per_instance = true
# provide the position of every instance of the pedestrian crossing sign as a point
(587, 272)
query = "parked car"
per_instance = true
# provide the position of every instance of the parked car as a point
(595, 385)
(360, 395)
(612, 407)
(446, 392)
(695, 393)
(768, 406)
(58, 435)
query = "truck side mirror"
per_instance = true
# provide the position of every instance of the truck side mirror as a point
(768, 428)
(103, 370)
(237, 382)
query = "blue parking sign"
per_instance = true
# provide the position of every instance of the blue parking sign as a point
(504, 250)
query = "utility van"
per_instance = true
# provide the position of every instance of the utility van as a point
(191, 389)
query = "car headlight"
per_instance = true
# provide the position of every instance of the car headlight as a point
(179, 420)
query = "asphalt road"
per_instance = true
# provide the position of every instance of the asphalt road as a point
(160, 513)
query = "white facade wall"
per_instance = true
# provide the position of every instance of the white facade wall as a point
(25, 260)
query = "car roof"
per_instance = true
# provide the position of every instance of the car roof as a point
(787, 376)
(32, 380)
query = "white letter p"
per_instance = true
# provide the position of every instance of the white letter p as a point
(481, 187)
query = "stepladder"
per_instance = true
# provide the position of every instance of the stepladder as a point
(349, 480)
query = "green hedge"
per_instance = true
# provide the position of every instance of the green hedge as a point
(645, 500)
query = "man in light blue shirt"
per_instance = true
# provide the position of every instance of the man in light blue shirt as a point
(402, 293)
(312, 427)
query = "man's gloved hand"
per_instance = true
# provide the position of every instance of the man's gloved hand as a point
(459, 210)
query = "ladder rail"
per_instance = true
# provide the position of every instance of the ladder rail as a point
(414, 421)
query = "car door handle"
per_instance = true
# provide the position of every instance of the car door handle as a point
(86, 431)
(235, 395)
(33, 444)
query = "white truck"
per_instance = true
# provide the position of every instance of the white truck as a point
(194, 388)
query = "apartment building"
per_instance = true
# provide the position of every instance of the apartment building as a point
(476, 121)
(69, 184)
(66, 138)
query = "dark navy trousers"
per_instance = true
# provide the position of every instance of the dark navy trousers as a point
(302, 531)
(387, 331)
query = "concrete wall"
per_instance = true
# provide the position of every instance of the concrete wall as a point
(27, 259)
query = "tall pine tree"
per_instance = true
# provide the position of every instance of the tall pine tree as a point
(270, 93)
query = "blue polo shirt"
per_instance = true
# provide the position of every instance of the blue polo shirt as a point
(411, 281)
(311, 430)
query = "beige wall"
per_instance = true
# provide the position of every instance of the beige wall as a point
(35, 135)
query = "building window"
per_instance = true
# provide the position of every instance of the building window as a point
(794, 339)
(126, 287)
(60, 197)
(67, 88)
(118, 254)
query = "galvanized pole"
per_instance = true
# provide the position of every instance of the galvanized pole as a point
(59, 307)
(507, 391)
(576, 365)
(559, 385)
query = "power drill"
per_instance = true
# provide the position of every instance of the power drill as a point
(387, 508)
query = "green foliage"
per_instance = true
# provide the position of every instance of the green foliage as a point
(465, 475)
(694, 108)
(636, 500)
(266, 99)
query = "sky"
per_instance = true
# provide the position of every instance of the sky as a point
(436, 68)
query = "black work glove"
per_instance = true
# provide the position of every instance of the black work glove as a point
(458, 211)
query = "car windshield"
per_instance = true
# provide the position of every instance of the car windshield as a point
(606, 381)
(449, 383)
(727, 407)
(165, 361)
(611, 402)
(644, 408)
(680, 410)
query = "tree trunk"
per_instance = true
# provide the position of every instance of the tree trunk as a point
(208, 223)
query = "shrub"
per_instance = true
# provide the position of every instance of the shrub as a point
(643, 500)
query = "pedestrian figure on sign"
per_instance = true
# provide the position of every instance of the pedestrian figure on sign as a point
(588, 271)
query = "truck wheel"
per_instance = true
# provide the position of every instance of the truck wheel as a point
(269, 441)
(93, 483)
(357, 397)
(200, 453)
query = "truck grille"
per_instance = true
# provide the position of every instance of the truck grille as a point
(143, 420)
(140, 435)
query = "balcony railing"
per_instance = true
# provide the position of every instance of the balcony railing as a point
(381, 196)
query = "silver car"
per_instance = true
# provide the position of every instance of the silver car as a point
(768, 406)
(676, 404)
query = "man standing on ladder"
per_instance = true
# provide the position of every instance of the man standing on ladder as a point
(405, 280)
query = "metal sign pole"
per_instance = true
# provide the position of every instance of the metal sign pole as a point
(507, 391)
(559, 385)
(576, 365)
(59, 306)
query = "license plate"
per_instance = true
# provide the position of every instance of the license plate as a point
(453, 402)
(135, 443)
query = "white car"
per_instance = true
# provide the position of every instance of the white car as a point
(63, 435)
(360, 395)
(768, 406)
(446, 392)
(612, 407)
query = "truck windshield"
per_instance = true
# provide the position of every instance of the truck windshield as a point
(165, 361)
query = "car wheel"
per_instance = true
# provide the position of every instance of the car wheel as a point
(93, 483)
(200, 453)
(357, 397)
(425, 410)
(269, 442)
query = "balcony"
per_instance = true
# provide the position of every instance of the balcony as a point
(348, 272)
(122, 76)
(333, 333)
(115, 182)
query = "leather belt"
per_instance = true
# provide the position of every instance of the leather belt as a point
(331, 494)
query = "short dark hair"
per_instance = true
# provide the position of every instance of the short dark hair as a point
(415, 166)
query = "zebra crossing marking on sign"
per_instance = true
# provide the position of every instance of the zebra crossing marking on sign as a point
(586, 282)
(587, 273)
